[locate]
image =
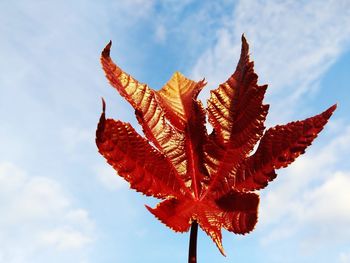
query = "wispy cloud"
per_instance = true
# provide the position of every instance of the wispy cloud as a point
(344, 257)
(39, 216)
(310, 203)
(292, 43)
(51, 84)
(64, 238)
(109, 178)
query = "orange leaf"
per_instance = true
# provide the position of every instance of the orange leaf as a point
(201, 177)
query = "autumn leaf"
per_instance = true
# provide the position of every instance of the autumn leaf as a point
(206, 178)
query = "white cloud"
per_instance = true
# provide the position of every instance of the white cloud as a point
(160, 33)
(330, 201)
(344, 257)
(65, 238)
(38, 216)
(109, 178)
(310, 199)
(292, 43)
(134, 9)
(73, 137)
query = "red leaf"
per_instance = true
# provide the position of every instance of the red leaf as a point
(207, 178)
(278, 148)
(146, 169)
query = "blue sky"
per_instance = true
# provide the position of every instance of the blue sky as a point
(60, 201)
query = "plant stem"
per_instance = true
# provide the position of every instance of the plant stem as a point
(192, 250)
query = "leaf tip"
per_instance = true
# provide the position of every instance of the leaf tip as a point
(245, 45)
(103, 105)
(101, 124)
(328, 113)
(221, 249)
(150, 209)
(334, 107)
(107, 50)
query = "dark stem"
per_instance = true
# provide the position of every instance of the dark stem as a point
(192, 250)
